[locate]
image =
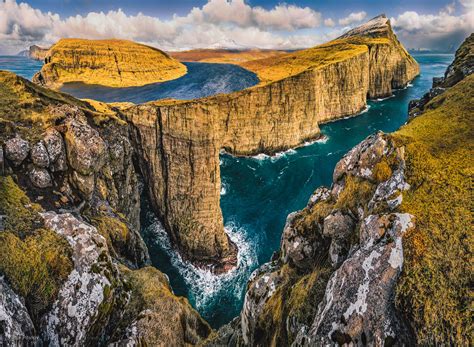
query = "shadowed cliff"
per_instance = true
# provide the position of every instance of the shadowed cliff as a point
(179, 141)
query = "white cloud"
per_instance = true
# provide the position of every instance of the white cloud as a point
(216, 21)
(329, 22)
(354, 17)
(435, 31)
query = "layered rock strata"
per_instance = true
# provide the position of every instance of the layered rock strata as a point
(369, 260)
(113, 63)
(179, 142)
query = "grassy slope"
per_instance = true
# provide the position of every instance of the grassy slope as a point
(277, 68)
(434, 289)
(225, 56)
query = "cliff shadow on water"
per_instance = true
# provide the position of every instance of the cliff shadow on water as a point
(257, 193)
(201, 80)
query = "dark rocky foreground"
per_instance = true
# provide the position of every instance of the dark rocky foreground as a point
(368, 261)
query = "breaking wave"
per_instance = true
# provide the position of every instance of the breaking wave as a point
(205, 287)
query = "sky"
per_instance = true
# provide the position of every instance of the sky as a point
(269, 24)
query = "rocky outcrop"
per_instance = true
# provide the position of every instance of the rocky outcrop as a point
(37, 52)
(460, 68)
(179, 142)
(114, 63)
(334, 279)
(366, 262)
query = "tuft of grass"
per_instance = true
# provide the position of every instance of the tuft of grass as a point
(357, 192)
(36, 267)
(434, 290)
(21, 216)
(382, 171)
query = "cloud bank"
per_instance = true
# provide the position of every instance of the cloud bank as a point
(221, 23)
(442, 31)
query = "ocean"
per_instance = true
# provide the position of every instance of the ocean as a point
(257, 193)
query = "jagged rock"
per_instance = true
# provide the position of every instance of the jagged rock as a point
(179, 142)
(295, 247)
(338, 227)
(262, 285)
(358, 304)
(16, 326)
(320, 194)
(16, 150)
(85, 148)
(40, 177)
(76, 307)
(389, 193)
(361, 159)
(39, 155)
(84, 183)
(54, 144)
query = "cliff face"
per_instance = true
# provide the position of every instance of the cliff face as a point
(37, 53)
(70, 246)
(179, 142)
(114, 63)
(380, 257)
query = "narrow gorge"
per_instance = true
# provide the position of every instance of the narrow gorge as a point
(179, 141)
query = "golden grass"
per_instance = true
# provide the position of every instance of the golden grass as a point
(280, 67)
(225, 56)
(434, 290)
(113, 63)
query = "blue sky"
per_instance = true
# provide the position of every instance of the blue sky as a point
(187, 24)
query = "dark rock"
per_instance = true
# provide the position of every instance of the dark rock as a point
(40, 177)
(39, 155)
(16, 326)
(16, 150)
(338, 227)
(54, 144)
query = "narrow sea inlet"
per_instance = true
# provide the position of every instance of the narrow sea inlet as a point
(257, 193)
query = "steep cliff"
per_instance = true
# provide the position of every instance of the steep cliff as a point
(70, 246)
(37, 52)
(382, 256)
(114, 63)
(179, 141)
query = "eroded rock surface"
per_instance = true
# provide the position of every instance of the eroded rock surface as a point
(16, 326)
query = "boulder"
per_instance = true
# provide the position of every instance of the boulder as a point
(84, 183)
(16, 150)
(54, 144)
(85, 148)
(40, 177)
(339, 227)
(39, 155)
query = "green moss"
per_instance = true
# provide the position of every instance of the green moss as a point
(382, 171)
(357, 192)
(36, 266)
(434, 290)
(115, 232)
(21, 215)
(306, 293)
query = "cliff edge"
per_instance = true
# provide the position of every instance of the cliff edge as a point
(179, 141)
(382, 257)
(113, 63)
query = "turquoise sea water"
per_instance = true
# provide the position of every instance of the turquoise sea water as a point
(258, 193)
